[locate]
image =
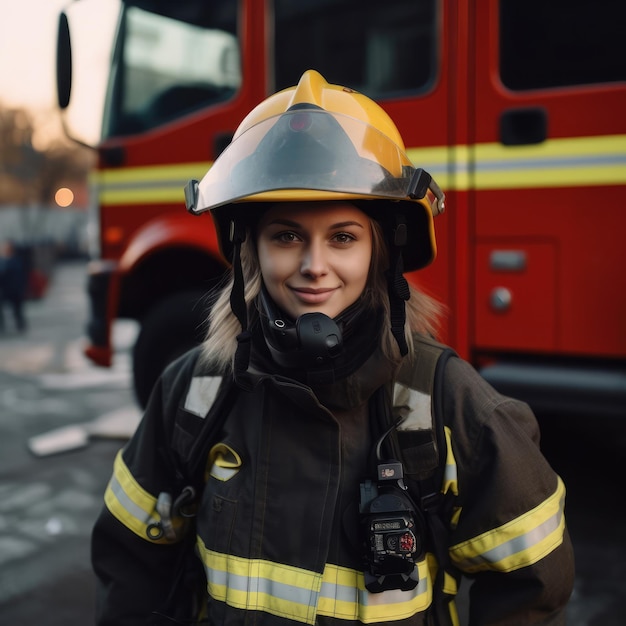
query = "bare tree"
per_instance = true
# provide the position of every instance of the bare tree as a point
(29, 176)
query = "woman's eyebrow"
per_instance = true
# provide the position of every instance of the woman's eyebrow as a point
(280, 221)
(348, 223)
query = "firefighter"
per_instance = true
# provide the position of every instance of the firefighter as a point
(281, 471)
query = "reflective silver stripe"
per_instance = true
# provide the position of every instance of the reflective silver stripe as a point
(223, 473)
(299, 594)
(251, 586)
(131, 508)
(254, 584)
(363, 598)
(201, 394)
(132, 505)
(519, 543)
(552, 162)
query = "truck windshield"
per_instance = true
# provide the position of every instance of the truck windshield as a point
(561, 43)
(383, 49)
(169, 63)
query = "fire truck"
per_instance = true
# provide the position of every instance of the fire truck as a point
(516, 107)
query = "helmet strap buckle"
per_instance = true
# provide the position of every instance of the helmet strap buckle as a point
(420, 184)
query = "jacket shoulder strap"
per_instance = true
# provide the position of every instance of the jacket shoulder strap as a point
(418, 398)
(426, 378)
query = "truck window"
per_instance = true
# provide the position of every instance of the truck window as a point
(169, 65)
(561, 43)
(382, 49)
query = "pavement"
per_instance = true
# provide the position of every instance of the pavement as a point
(62, 420)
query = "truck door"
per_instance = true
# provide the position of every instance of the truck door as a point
(548, 148)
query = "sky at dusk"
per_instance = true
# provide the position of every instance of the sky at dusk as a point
(27, 52)
(28, 31)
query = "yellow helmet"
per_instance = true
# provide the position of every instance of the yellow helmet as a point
(314, 142)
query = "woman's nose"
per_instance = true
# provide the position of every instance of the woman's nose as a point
(314, 262)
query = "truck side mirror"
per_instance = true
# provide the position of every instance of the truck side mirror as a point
(64, 62)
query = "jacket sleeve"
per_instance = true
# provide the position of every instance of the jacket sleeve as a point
(140, 579)
(509, 531)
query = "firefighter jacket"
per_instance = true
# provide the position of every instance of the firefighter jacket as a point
(276, 531)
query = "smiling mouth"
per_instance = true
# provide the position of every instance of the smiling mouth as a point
(312, 296)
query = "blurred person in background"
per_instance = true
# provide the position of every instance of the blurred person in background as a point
(13, 283)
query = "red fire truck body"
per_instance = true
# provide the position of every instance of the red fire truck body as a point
(517, 109)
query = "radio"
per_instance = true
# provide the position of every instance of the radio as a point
(393, 531)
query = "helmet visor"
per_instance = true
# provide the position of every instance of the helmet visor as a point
(306, 149)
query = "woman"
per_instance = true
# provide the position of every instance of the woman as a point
(278, 453)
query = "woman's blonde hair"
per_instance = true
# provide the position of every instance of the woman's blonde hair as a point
(423, 312)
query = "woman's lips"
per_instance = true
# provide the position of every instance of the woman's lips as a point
(312, 296)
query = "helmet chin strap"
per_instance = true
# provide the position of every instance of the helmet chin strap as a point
(398, 294)
(397, 285)
(239, 308)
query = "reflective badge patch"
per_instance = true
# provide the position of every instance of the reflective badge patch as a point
(201, 394)
(224, 462)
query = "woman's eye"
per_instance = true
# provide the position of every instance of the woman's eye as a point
(285, 237)
(343, 238)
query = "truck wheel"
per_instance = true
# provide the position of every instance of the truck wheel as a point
(173, 326)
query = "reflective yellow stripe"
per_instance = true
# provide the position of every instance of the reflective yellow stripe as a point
(253, 584)
(450, 585)
(448, 165)
(554, 163)
(129, 502)
(343, 596)
(519, 543)
(224, 462)
(300, 595)
(159, 184)
(567, 162)
(450, 482)
(450, 477)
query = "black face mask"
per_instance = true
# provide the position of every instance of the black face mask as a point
(316, 348)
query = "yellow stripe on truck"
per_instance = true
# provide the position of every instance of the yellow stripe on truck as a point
(160, 184)
(568, 162)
